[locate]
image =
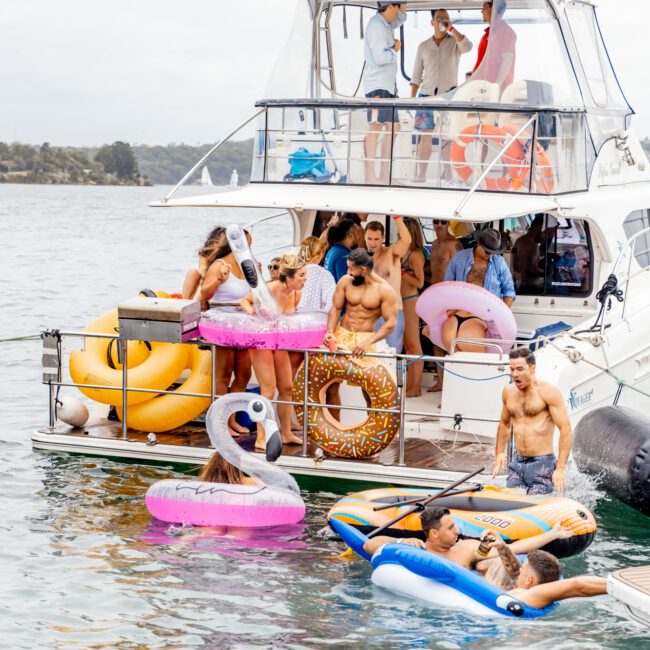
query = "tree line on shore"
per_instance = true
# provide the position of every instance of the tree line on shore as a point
(119, 163)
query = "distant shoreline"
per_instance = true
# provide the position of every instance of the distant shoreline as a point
(120, 164)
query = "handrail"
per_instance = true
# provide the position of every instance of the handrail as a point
(625, 281)
(399, 410)
(628, 245)
(434, 103)
(490, 167)
(209, 153)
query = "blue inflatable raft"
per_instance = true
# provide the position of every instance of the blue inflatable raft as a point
(417, 573)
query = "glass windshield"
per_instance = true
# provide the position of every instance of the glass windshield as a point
(522, 59)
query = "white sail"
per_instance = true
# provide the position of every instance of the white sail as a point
(205, 176)
(234, 179)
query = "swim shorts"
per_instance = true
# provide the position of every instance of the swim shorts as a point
(534, 473)
(382, 115)
(396, 338)
(424, 119)
(349, 339)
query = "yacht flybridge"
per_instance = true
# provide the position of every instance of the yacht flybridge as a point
(551, 141)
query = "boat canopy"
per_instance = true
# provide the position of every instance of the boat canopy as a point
(409, 202)
(555, 49)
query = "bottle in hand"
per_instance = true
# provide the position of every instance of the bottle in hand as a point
(486, 539)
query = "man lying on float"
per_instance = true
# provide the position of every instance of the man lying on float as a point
(536, 583)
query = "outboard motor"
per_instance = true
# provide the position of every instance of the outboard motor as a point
(613, 443)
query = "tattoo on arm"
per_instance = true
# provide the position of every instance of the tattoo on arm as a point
(509, 560)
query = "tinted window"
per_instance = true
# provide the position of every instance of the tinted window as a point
(549, 256)
(636, 222)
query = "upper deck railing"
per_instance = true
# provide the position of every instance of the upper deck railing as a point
(423, 144)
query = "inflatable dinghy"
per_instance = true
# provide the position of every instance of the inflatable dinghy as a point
(506, 512)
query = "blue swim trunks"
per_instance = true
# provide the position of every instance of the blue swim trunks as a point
(534, 473)
(424, 119)
(396, 338)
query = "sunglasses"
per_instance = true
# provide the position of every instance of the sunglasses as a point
(274, 267)
(439, 222)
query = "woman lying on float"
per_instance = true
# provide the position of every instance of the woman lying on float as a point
(474, 300)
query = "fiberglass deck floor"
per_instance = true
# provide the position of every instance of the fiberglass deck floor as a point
(418, 453)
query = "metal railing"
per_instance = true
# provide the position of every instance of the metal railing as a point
(630, 251)
(551, 146)
(399, 411)
(539, 150)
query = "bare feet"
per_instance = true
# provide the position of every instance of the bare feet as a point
(291, 439)
(235, 427)
(435, 388)
(415, 392)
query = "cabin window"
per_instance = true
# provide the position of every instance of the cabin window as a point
(549, 256)
(634, 223)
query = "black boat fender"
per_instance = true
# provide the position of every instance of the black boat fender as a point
(613, 443)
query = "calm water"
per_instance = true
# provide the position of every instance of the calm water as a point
(82, 563)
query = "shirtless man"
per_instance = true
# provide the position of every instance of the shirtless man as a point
(442, 534)
(537, 582)
(365, 297)
(533, 408)
(388, 265)
(443, 248)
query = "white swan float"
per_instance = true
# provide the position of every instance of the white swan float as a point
(275, 501)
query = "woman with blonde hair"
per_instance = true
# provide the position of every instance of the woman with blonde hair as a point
(273, 367)
(412, 281)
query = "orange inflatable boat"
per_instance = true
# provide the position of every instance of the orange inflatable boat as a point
(511, 515)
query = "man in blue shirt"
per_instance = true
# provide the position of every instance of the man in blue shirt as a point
(484, 265)
(380, 81)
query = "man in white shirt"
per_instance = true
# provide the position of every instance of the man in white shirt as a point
(380, 82)
(435, 72)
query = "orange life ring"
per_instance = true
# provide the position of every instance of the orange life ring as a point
(362, 440)
(515, 158)
(543, 168)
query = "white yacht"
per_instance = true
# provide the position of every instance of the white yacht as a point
(578, 168)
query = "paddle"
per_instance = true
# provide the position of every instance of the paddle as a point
(418, 507)
(408, 502)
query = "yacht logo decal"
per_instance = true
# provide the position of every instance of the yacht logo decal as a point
(577, 401)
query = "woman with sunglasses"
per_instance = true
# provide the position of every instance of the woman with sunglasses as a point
(412, 282)
(274, 269)
(273, 367)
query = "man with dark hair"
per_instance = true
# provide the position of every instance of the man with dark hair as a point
(533, 409)
(435, 72)
(380, 82)
(537, 582)
(387, 263)
(496, 51)
(441, 535)
(364, 297)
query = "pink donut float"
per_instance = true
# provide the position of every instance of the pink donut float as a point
(433, 304)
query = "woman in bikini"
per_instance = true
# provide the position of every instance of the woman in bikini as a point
(222, 288)
(412, 281)
(273, 367)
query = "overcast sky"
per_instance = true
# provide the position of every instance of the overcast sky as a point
(86, 72)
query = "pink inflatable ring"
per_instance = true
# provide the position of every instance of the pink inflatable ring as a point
(433, 304)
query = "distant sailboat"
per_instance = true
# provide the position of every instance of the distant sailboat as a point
(205, 176)
(234, 179)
